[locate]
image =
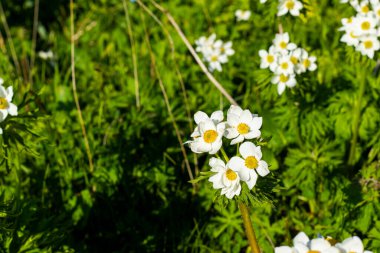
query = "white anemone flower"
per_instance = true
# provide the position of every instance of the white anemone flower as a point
(352, 245)
(285, 65)
(205, 45)
(251, 164)
(226, 178)
(365, 25)
(268, 59)
(6, 105)
(368, 46)
(242, 124)
(207, 136)
(284, 81)
(307, 62)
(215, 60)
(289, 6)
(242, 15)
(225, 49)
(281, 43)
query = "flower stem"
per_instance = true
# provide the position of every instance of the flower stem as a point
(356, 120)
(250, 233)
(225, 156)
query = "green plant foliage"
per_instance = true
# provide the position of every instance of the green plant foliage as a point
(138, 197)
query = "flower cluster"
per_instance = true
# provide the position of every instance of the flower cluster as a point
(215, 52)
(286, 60)
(288, 6)
(242, 15)
(302, 243)
(6, 105)
(208, 136)
(362, 30)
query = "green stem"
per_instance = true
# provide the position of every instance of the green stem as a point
(225, 156)
(250, 233)
(357, 117)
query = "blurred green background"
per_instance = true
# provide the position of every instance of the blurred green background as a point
(137, 197)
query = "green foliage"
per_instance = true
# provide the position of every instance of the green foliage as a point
(137, 198)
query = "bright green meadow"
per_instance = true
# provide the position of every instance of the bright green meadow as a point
(113, 176)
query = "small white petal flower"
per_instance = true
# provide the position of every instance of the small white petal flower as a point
(226, 177)
(281, 43)
(207, 136)
(352, 244)
(251, 165)
(242, 15)
(368, 46)
(284, 81)
(242, 125)
(269, 59)
(6, 105)
(285, 66)
(289, 6)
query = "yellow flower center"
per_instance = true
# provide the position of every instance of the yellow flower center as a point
(214, 58)
(294, 60)
(283, 78)
(210, 136)
(270, 58)
(313, 251)
(222, 50)
(231, 175)
(366, 25)
(283, 44)
(289, 4)
(378, 12)
(3, 103)
(243, 128)
(284, 65)
(349, 21)
(251, 162)
(365, 9)
(306, 63)
(368, 44)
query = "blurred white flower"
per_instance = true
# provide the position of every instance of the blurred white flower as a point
(207, 136)
(6, 105)
(226, 178)
(216, 60)
(45, 55)
(289, 6)
(281, 43)
(285, 66)
(368, 46)
(242, 15)
(352, 244)
(251, 164)
(242, 124)
(215, 53)
(284, 81)
(268, 58)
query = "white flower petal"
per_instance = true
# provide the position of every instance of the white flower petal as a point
(200, 116)
(239, 139)
(262, 169)
(247, 149)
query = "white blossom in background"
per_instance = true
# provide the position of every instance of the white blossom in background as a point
(362, 30)
(214, 52)
(286, 60)
(226, 178)
(242, 15)
(292, 7)
(6, 105)
(302, 244)
(289, 6)
(48, 55)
